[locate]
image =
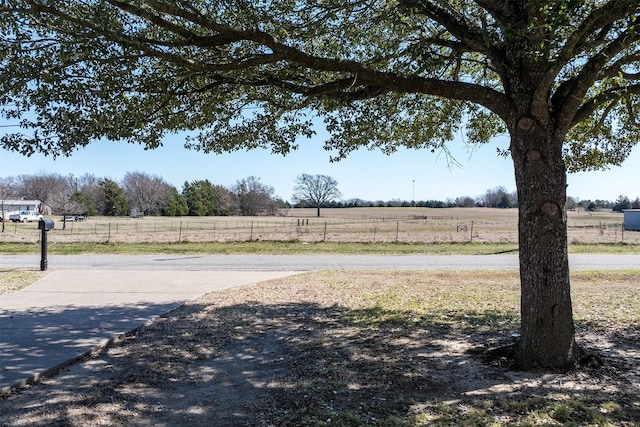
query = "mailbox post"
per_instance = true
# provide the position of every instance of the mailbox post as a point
(44, 225)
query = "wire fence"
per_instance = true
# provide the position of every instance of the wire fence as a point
(426, 229)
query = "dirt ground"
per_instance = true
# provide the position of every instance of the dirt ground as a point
(313, 350)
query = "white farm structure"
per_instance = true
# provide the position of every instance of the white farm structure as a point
(10, 207)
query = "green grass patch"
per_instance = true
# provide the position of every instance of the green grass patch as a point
(262, 247)
(604, 248)
(290, 248)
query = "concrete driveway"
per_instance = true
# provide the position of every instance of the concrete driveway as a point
(70, 313)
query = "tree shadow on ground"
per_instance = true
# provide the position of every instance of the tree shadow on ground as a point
(39, 339)
(290, 364)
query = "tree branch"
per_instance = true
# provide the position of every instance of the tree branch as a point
(468, 34)
(611, 95)
(497, 8)
(172, 28)
(616, 69)
(570, 94)
(603, 116)
(630, 110)
(601, 18)
(371, 80)
(599, 21)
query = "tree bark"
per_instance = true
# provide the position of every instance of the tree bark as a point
(547, 338)
(318, 213)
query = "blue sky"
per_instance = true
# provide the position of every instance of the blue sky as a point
(368, 175)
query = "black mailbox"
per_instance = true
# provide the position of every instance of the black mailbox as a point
(46, 224)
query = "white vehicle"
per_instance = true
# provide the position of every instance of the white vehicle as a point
(25, 216)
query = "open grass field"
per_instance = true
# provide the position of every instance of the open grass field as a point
(354, 225)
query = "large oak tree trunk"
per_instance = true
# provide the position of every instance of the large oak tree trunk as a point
(547, 332)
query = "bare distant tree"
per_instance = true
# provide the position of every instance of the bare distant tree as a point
(316, 190)
(145, 192)
(224, 201)
(64, 200)
(465, 202)
(7, 191)
(499, 197)
(42, 186)
(572, 203)
(254, 197)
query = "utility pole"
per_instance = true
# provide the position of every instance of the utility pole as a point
(413, 193)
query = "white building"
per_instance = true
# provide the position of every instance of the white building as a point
(9, 207)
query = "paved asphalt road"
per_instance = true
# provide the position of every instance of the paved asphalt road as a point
(306, 262)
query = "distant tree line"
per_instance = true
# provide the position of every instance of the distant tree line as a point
(140, 192)
(619, 205)
(497, 197)
(151, 195)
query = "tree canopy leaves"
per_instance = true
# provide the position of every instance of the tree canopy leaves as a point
(379, 74)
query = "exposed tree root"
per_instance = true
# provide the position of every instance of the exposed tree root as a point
(506, 355)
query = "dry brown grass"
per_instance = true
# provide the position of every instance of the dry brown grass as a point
(13, 279)
(404, 225)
